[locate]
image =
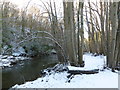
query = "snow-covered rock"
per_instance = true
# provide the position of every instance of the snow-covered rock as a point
(6, 60)
(53, 51)
(4, 57)
(5, 47)
(19, 51)
(16, 54)
(10, 57)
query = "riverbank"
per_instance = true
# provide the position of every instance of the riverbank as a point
(10, 60)
(26, 70)
(104, 79)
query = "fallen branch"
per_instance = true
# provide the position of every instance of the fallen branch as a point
(94, 71)
(80, 72)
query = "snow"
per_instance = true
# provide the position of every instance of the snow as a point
(19, 51)
(103, 79)
(91, 62)
(6, 60)
(53, 51)
(16, 54)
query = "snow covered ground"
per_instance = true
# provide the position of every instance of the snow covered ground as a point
(9, 60)
(6, 60)
(103, 79)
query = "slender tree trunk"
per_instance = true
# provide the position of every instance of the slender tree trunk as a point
(23, 23)
(80, 35)
(92, 31)
(107, 34)
(1, 11)
(89, 33)
(102, 29)
(56, 33)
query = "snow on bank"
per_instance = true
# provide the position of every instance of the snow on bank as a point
(103, 79)
(91, 62)
(7, 61)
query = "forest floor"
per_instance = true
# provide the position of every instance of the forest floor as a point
(104, 79)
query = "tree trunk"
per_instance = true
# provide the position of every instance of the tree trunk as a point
(56, 33)
(113, 18)
(107, 35)
(102, 30)
(92, 39)
(69, 31)
(89, 33)
(117, 43)
(81, 39)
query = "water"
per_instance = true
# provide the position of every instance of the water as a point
(27, 70)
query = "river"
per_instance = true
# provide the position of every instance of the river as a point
(27, 70)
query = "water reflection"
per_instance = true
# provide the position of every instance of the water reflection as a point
(26, 70)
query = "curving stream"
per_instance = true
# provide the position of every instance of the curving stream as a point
(26, 70)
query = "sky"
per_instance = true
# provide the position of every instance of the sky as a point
(23, 3)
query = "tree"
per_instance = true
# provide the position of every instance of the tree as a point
(80, 34)
(69, 31)
(0, 28)
(116, 61)
(113, 19)
(55, 30)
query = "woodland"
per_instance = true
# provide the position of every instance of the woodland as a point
(71, 31)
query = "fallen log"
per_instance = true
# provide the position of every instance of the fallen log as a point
(94, 71)
(72, 73)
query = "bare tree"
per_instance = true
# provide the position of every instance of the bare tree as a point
(113, 19)
(80, 34)
(69, 31)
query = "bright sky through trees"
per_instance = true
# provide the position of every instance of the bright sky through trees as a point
(23, 3)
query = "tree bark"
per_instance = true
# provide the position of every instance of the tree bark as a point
(81, 42)
(113, 18)
(69, 31)
(116, 62)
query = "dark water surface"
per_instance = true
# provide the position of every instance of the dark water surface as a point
(26, 70)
